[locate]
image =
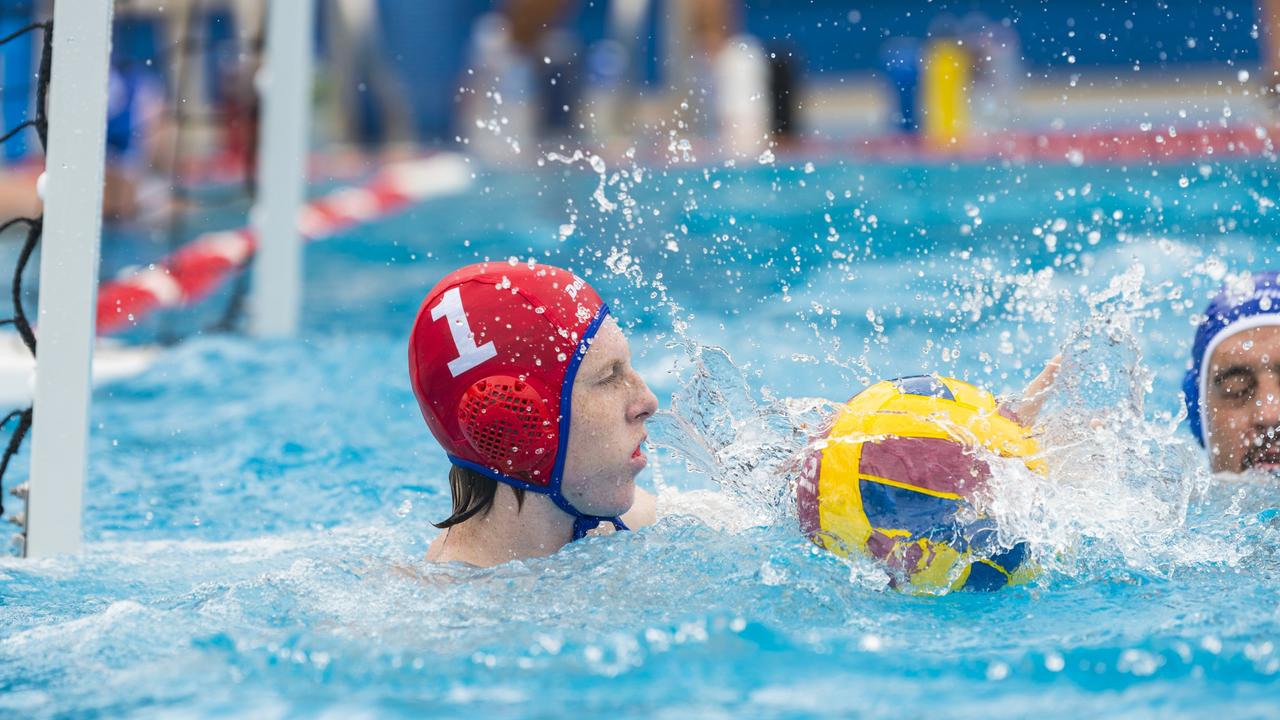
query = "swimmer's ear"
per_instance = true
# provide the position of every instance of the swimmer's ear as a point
(1025, 408)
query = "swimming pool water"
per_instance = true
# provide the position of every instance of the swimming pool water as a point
(257, 511)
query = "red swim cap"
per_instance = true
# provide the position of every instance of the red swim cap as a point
(492, 358)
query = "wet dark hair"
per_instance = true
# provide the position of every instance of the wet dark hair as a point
(473, 495)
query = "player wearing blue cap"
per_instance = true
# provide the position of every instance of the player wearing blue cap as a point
(1232, 388)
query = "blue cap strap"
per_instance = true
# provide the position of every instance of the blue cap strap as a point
(582, 523)
(586, 523)
(566, 391)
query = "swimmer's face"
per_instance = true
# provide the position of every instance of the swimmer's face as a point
(1242, 402)
(606, 429)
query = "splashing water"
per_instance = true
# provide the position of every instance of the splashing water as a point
(598, 166)
(279, 566)
(1124, 493)
(747, 446)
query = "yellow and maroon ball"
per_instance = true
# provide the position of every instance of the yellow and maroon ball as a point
(895, 476)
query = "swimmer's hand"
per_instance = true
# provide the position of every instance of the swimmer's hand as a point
(1026, 407)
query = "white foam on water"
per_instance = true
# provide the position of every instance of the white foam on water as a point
(1125, 490)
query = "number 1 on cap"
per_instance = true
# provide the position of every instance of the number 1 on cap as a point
(469, 354)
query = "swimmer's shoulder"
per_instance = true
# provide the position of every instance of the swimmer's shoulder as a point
(442, 552)
(643, 512)
(436, 548)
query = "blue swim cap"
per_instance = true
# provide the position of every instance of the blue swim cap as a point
(1246, 302)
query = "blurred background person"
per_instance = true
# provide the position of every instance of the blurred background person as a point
(994, 51)
(524, 76)
(507, 78)
(720, 74)
(366, 97)
(1269, 23)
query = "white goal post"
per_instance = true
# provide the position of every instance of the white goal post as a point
(284, 86)
(77, 115)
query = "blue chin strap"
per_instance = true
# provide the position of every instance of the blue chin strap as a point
(582, 523)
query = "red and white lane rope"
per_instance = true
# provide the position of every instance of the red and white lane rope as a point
(1094, 146)
(199, 267)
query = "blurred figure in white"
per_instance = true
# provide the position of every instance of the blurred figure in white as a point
(496, 109)
(721, 72)
(996, 66)
(1269, 23)
(522, 81)
(743, 103)
(612, 65)
(367, 103)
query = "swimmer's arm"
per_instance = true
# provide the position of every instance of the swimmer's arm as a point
(1026, 407)
(643, 512)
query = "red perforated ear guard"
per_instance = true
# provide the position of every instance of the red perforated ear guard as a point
(507, 422)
